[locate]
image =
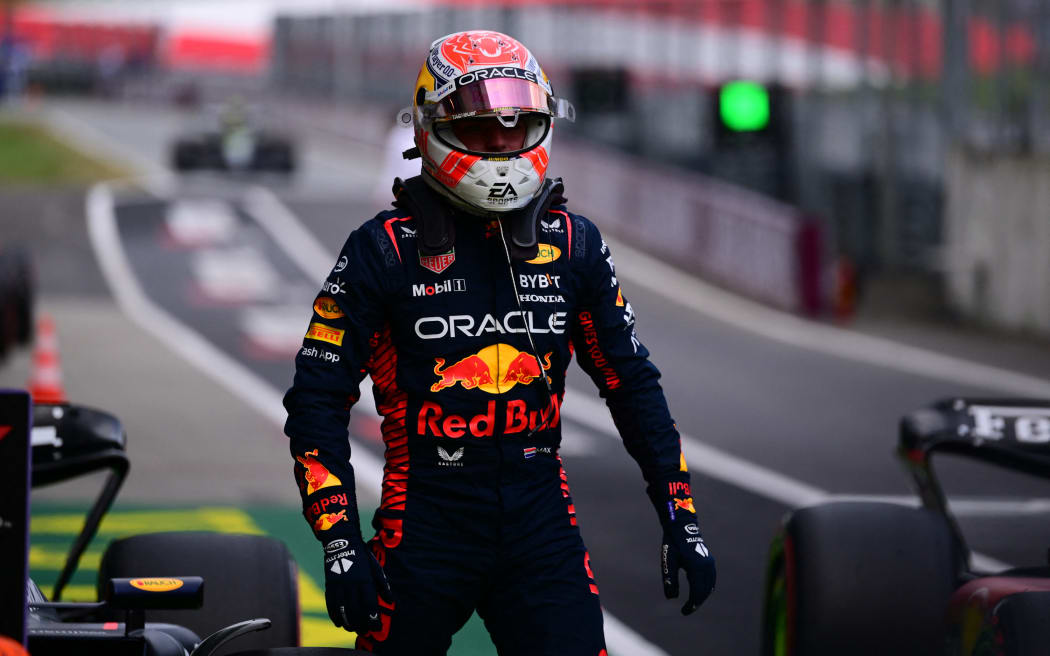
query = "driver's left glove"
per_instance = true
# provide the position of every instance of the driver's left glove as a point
(683, 546)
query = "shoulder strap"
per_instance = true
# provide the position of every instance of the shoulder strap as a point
(524, 229)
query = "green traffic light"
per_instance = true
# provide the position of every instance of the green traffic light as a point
(744, 106)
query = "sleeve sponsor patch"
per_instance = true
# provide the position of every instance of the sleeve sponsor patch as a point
(326, 307)
(324, 333)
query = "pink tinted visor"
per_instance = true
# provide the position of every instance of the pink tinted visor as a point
(504, 95)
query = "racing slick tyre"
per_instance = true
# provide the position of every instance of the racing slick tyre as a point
(23, 294)
(859, 578)
(245, 577)
(16, 298)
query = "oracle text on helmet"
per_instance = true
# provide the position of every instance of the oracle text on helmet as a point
(492, 73)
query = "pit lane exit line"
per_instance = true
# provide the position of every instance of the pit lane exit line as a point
(238, 379)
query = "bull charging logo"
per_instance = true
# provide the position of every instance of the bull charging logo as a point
(684, 504)
(494, 369)
(328, 520)
(317, 475)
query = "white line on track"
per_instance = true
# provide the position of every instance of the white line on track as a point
(238, 379)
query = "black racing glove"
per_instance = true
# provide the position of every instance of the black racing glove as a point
(352, 579)
(683, 547)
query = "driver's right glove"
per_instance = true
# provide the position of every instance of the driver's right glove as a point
(353, 578)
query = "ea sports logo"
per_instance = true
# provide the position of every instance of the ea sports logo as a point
(502, 190)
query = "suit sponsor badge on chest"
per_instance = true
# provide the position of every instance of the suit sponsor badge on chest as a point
(438, 263)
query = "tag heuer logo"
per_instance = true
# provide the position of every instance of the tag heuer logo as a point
(438, 263)
(450, 459)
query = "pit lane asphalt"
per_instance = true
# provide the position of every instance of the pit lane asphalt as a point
(815, 417)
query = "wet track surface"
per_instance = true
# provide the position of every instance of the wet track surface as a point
(813, 417)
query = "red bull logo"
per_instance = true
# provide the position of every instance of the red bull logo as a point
(433, 421)
(675, 488)
(684, 504)
(470, 372)
(328, 520)
(494, 369)
(317, 475)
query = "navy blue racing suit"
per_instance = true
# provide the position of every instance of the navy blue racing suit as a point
(475, 508)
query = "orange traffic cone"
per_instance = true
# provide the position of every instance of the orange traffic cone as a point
(45, 381)
(9, 647)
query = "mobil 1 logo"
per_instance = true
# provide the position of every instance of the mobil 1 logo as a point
(443, 287)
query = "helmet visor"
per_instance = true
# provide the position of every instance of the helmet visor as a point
(502, 96)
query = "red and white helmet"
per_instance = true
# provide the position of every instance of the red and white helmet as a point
(475, 74)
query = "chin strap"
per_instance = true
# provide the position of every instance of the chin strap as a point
(439, 230)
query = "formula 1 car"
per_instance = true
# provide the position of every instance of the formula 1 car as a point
(16, 299)
(878, 578)
(151, 587)
(238, 144)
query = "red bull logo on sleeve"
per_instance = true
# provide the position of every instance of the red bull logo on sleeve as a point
(494, 369)
(317, 475)
(675, 488)
(328, 520)
(684, 504)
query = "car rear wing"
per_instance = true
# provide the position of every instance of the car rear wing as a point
(69, 441)
(1010, 433)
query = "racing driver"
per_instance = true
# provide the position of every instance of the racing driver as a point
(465, 304)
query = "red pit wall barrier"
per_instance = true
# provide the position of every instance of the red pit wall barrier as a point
(740, 239)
